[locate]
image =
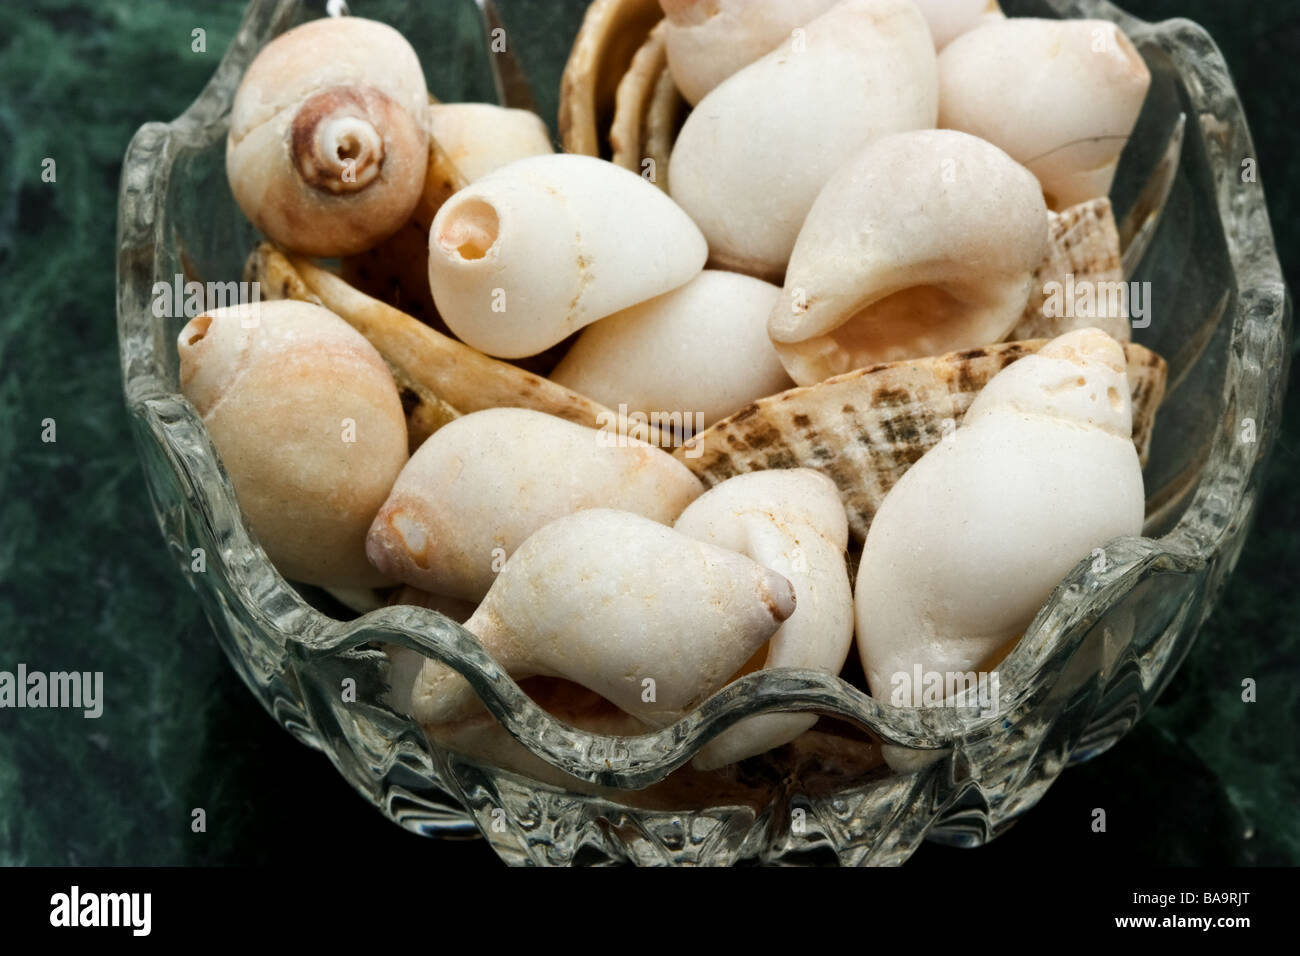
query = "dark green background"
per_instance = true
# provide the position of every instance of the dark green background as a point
(86, 584)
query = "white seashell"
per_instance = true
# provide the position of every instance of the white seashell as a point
(701, 350)
(949, 19)
(709, 40)
(1060, 96)
(309, 426)
(755, 152)
(791, 522)
(480, 138)
(969, 544)
(535, 251)
(925, 242)
(482, 484)
(652, 620)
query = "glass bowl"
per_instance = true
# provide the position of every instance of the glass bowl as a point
(1095, 658)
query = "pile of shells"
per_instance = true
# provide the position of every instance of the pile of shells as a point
(805, 340)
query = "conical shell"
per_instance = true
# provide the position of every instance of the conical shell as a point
(863, 430)
(1060, 96)
(1078, 282)
(611, 600)
(971, 541)
(530, 254)
(757, 150)
(474, 491)
(612, 31)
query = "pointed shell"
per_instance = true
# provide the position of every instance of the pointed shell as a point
(523, 258)
(968, 545)
(791, 522)
(659, 606)
(756, 151)
(922, 243)
(611, 33)
(863, 430)
(482, 484)
(1082, 256)
(1060, 96)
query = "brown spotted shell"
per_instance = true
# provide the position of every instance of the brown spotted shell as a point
(865, 428)
(1083, 254)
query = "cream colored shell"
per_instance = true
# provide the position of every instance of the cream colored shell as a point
(924, 242)
(482, 484)
(650, 619)
(539, 249)
(970, 542)
(480, 138)
(699, 352)
(1060, 96)
(309, 427)
(328, 140)
(791, 522)
(756, 151)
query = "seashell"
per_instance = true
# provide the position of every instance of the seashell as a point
(610, 600)
(1077, 285)
(709, 40)
(309, 426)
(754, 154)
(528, 255)
(611, 33)
(1068, 124)
(971, 541)
(949, 19)
(632, 101)
(480, 138)
(791, 522)
(865, 429)
(439, 376)
(478, 487)
(328, 143)
(699, 352)
(924, 242)
(664, 115)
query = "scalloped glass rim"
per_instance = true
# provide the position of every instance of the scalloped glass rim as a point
(283, 647)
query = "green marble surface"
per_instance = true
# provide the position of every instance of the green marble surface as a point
(85, 582)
